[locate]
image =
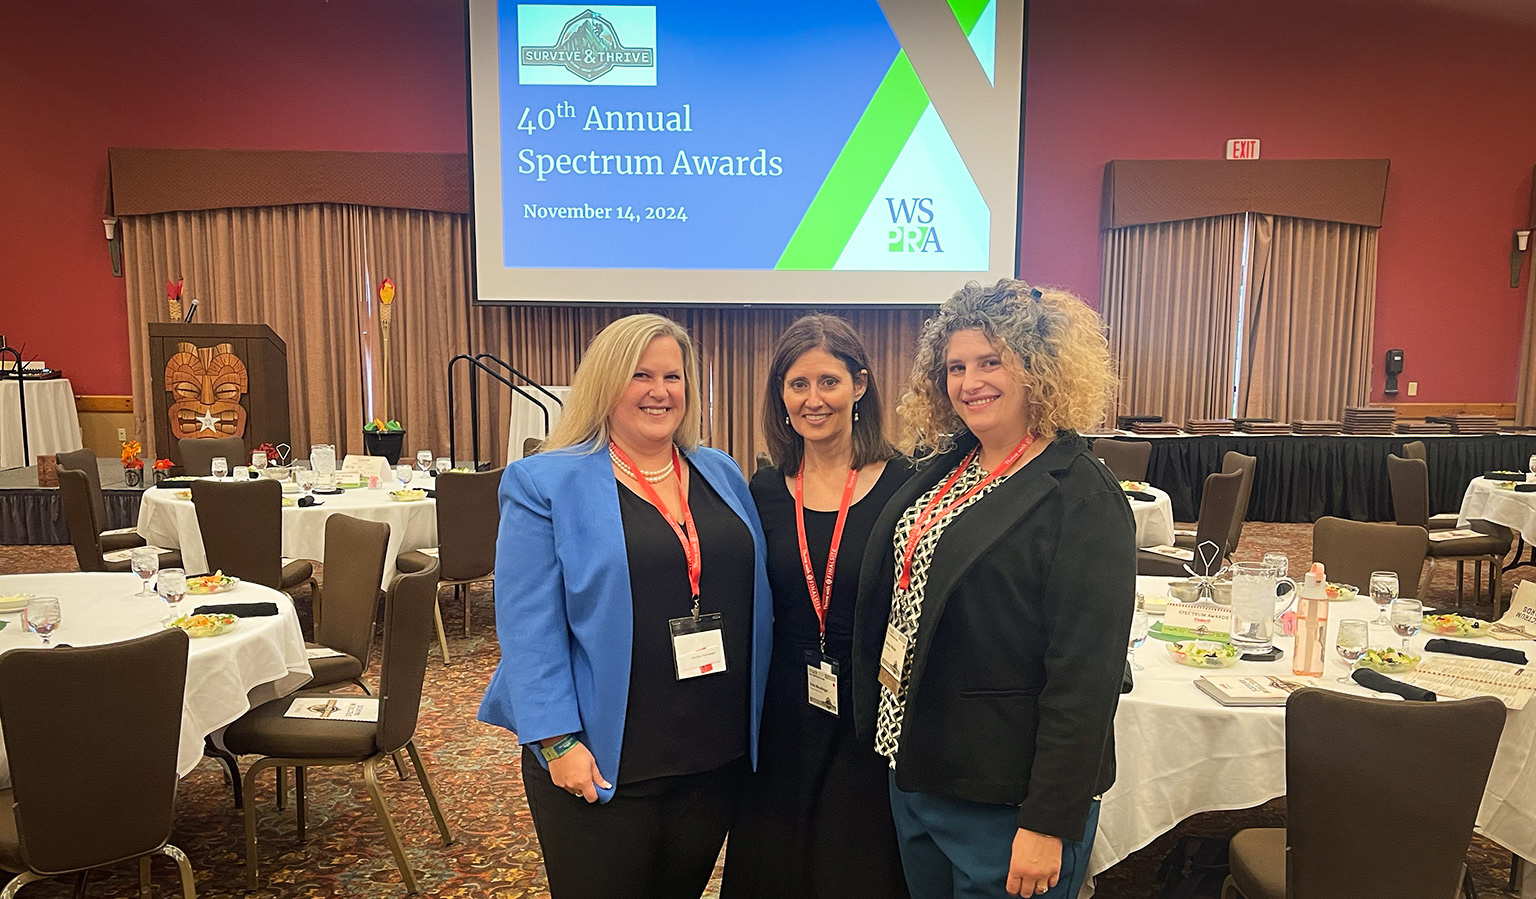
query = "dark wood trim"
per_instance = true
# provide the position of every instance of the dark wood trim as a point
(103, 403)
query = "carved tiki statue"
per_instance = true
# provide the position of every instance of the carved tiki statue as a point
(206, 384)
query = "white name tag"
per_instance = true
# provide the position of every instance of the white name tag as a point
(698, 645)
(821, 681)
(893, 659)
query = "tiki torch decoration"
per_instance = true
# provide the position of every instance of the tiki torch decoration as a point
(386, 312)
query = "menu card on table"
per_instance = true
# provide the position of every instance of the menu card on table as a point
(1172, 552)
(1251, 689)
(1463, 678)
(334, 708)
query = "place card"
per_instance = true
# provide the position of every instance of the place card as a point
(334, 708)
(1197, 621)
(366, 467)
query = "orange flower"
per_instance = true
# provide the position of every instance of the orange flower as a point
(131, 450)
(386, 291)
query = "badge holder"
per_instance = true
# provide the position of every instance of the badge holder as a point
(698, 644)
(821, 672)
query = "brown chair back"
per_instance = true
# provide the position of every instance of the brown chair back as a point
(84, 461)
(1351, 550)
(1409, 480)
(408, 630)
(80, 517)
(1414, 449)
(242, 527)
(354, 568)
(467, 521)
(532, 446)
(1218, 507)
(1335, 770)
(92, 748)
(197, 453)
(1126, 459)
(1236, 461)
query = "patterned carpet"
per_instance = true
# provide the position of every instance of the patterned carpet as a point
(475, 769)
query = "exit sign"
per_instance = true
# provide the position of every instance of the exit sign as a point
(1244, 148)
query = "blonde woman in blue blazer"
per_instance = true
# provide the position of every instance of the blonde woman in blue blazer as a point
(634, 616)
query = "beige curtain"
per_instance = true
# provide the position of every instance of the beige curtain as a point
(1310, 304)
(1525, 391)
(1170, 294)
(289, 267)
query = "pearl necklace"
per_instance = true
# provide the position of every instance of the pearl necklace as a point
(654, 477)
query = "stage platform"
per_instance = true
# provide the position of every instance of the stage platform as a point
(30, 514)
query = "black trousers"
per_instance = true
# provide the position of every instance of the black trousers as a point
(656, 839)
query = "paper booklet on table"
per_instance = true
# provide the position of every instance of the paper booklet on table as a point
(1519, 622)
(1454, 534)
(334, 708)
(1172, 552)
(1462, 678)
(123, 555)
(1251, 689)
(322, 652)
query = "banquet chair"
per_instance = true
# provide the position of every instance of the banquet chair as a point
(197, 453)
(84, 461)
(1415, 449)
(356, 550)
(532, 446)
(1232, 461)
(242, 528)
(84, 527)
(1218, 504)
(1335, 772)
(1409, 479)
(92, 758)
(1351, 550)
(468, 517)
(1125, 459)
(302, 743)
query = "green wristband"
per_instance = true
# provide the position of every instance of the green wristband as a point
(566, 744)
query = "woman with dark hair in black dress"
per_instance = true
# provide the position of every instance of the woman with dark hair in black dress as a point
(816, 822)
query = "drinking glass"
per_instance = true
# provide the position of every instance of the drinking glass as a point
(442, 464)
(1407, 616)
(145, 562)
(259, 460)
(1383, 592)
(1531, 463)
(219, 467)
(172, 587)
(424, 460)
(1279, 562)
(322, 458)
(403, 474)
(305, 478)
(1351, 642)
(42, 615)
(241, 473)
(1139, 625)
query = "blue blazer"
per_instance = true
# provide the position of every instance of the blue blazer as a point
(563, 602)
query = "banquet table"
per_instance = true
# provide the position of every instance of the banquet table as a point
(527, 417)
(227, 675)
(1486, 501)
(1154, 518)
(1180, 753)
(168, 521)
(53, 427)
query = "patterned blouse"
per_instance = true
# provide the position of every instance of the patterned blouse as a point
(907, 605)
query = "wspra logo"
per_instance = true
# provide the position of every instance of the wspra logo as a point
(912, 228)
(588, 45)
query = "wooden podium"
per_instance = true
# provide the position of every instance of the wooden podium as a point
(214, 380)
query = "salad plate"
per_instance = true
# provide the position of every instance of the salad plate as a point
(218, 582)
(1340, 592)
(14, 602)
(1388, 660)
(1456, 626)
(1203, 654)
(407, 496)
(206, 625)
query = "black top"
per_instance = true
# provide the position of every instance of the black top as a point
(695, 725)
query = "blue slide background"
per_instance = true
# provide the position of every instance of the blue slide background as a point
(793, 81)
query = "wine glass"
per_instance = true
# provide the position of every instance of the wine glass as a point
(403, 474)
(1351, 642)
(219, 467)
(145, 562)
(1279, 562)
(1407, 616)
(259, 460)
(1139, 625)
(424, 460)
(172, 587)
(442, 464)
(305, 478)
(42, 615)
(1383, 592)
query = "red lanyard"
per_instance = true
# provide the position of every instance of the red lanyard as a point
(690, 538)
(822, 599)
(927, 518)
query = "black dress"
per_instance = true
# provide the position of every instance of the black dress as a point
(815, 820)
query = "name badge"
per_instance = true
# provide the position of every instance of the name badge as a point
(821, 681)
(698, 645)
(893, 659)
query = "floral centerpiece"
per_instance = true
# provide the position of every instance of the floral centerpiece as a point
(133, 466)
(384, 438)
(173, 298)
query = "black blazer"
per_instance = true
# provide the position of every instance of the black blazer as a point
(1021, 650)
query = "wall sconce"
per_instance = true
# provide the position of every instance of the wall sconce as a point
(1521, 244)
(115, 245)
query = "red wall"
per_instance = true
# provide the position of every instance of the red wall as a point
(1444, 96)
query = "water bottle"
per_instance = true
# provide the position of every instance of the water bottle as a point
(1311, 624)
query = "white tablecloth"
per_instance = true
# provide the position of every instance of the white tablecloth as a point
(1154, 520)
(52, 425)
(227, 675)
(166, 521)
(1486, 502)
(1180, 753)
(526, 419)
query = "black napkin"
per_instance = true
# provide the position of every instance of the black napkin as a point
(1144, 497)
(1525, 488)
(1477, 651)
(307, 501)
(1374, 680)
(238, 609)
(1127, 681)
(1504, 475)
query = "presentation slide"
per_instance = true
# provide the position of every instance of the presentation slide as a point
(788, 152)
